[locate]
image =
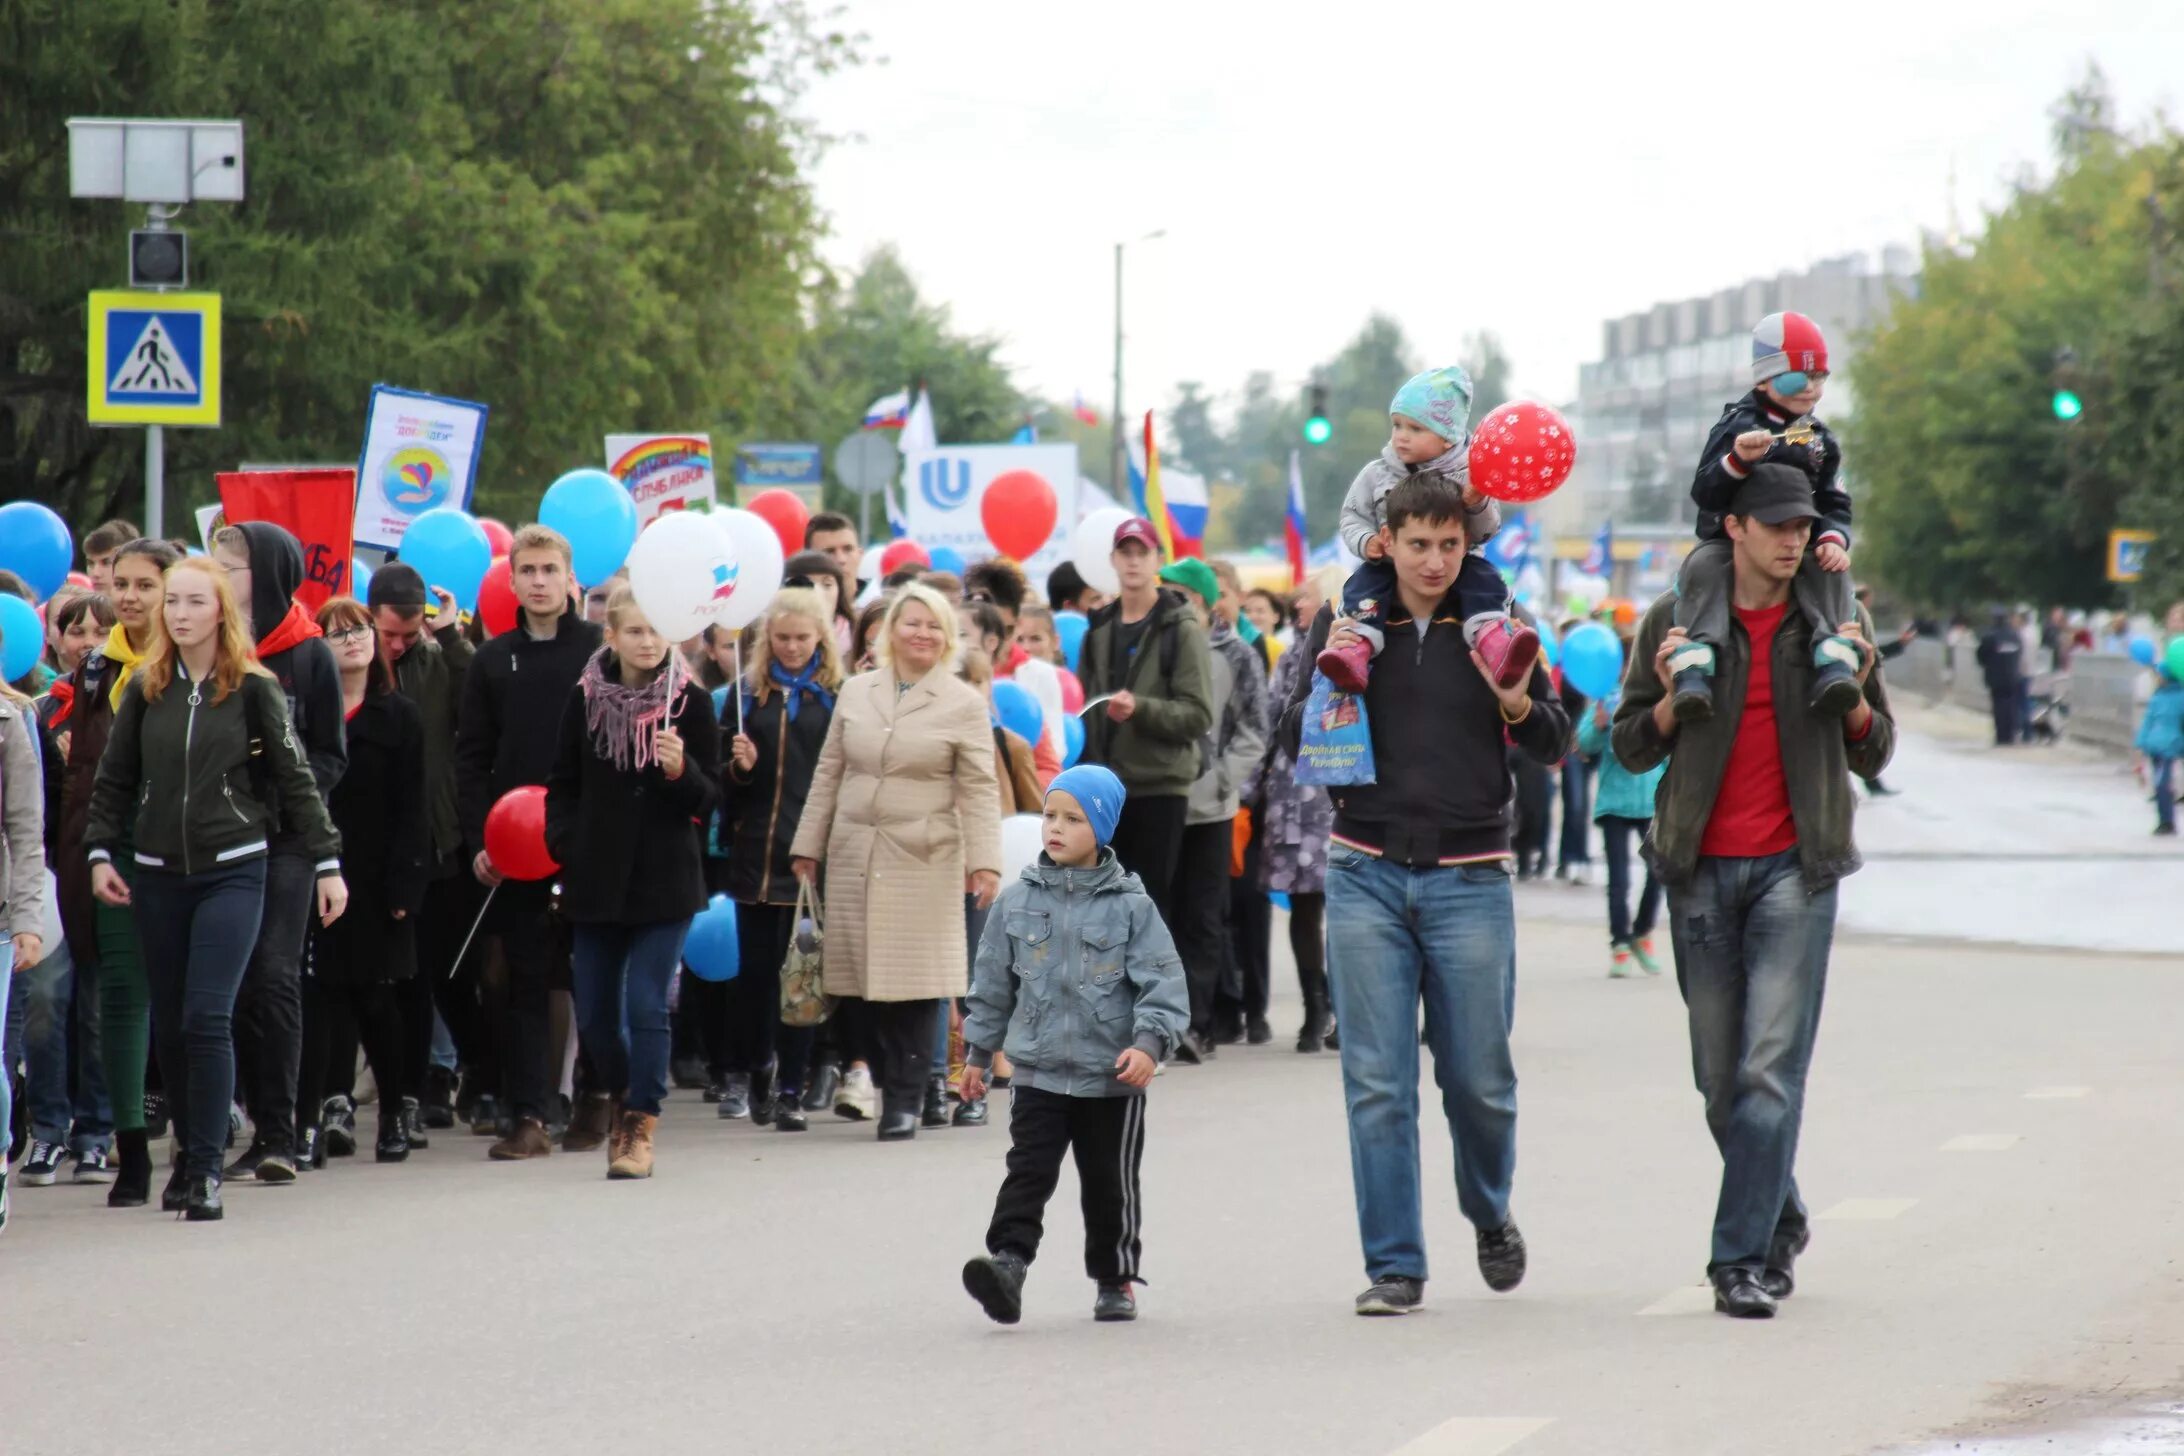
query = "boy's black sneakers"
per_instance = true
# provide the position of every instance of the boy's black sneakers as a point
(1393, 1294)
(1501, 1257)
(1738, 1293)
(1835, 691)
(1779, 1278)
(1693, 699)
(1115, 1305)
(996, 1281)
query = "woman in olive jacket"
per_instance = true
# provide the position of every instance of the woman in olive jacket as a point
(201, 747)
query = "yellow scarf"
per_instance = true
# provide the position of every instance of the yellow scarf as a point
(117, 649)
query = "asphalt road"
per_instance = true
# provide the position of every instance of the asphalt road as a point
(1991, 1148)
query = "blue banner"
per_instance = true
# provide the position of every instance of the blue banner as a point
(771, 465)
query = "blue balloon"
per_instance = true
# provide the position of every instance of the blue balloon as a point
(1018, 710)
(22, 636)
(1548, 648)
(1072, 740)
(710, 950)
(449, 550)
(35, 545)
(360, 578)
(1070, 627)
(1592, 660)
(945, 558)
(595, 512)
(2142, 649)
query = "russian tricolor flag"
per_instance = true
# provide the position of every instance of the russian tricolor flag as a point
(1173, 500)
(888, 412)
(1293, 524)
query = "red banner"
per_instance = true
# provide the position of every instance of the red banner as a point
(317, 506)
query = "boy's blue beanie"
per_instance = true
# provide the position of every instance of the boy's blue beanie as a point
(1097, 791)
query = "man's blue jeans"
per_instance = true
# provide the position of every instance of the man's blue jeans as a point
(38, 1036)
(622, 974)
(1752, 960)
(1447, 937)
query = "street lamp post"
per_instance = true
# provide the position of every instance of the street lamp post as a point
(1118, 457)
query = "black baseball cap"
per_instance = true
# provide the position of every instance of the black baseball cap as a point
(1775, 495)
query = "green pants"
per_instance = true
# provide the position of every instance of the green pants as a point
(125, 1011)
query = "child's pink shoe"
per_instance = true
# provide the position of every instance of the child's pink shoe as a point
(1345, 667)
(1510, 648)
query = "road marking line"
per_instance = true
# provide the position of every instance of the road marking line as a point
(1474, 1436)
(1980, 1142)
(1868, 1209)
(1690, 1299)
(2055, 1094)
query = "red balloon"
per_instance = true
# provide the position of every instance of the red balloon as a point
(78, 579)
(1522, 452)
(515, 834)
(786, 512)
(497, 605)
(1018, 511)
(899, 554)
(1072, 691)
(498, 538)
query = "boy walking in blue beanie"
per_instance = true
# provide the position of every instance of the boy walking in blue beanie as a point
(1429, 434)
(1078, 981)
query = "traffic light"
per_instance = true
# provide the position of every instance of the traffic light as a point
(2067, 406)
(1318, 429)
(2065, 402)
(159, 258)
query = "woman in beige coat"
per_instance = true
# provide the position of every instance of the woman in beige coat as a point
(903, 810)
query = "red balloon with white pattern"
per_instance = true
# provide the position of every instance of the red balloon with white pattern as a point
(1522, 452)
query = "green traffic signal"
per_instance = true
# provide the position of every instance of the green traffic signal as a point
(1318, 430)
(2067, 405)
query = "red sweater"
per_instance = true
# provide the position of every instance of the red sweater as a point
(1752, 810)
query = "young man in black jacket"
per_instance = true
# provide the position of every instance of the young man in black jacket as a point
(1419, 905)
(265, 567)
(513, 699)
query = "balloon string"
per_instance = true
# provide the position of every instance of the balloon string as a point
(737, 687)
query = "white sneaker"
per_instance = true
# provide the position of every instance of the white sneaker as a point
(858, 1100)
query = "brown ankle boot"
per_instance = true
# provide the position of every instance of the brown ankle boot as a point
(529, 1140)
(634, 1133)
(589, 1124)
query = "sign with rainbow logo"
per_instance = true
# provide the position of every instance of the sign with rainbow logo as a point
(420, 452)
(663, 472)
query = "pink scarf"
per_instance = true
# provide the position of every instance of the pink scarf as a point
(625, 722)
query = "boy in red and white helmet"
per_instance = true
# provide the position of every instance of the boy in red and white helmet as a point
(1774, 423)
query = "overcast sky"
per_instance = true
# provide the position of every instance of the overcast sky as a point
(1529, 169)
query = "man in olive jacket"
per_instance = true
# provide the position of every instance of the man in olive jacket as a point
(1751, 833)
(1146, 654)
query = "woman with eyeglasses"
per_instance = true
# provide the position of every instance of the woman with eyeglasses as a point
(356, 963)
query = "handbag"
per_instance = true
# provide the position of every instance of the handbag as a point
(804, 1001)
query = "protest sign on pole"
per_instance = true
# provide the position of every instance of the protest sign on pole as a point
(798, 469)
(316, 506)
(947, 485)
(420, 451)
(663, 473)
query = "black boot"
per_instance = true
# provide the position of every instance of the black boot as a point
(898, 1119)
(935, 1113)
(762, 1095)
(413, 1123)
(1693, 699)
(996, 1281)
(133, 1181)
(201, 1200)
(971, 1114)
(438, 1105)
(394, 1144)
(1313, 1036)
(826, 1080)
(1835, 691)
(171, 1197)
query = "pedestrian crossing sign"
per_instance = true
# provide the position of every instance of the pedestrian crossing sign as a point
(154, 358)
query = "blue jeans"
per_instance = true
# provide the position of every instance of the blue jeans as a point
(2165, 792)
(1752, 961)
(1623, 838)
(7, 1060)
(38, 1035)
(1448, 937)
(621, 975)
(197, 932)
(1576, 847)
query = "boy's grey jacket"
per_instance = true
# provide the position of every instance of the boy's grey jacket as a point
(1238, 739)
(1364, 509)
(1075, 968)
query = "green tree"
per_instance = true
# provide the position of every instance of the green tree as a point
(592, 215)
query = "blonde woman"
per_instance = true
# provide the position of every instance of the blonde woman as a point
(202, 750)
(789, 690)
(904, 812)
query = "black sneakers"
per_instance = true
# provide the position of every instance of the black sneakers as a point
(1393, 1294)
(1835, 691)
(1739, 1294)
(1779, 1278)
(1116, 1304)
(1501, 1257)
(1693, 698)
(996, 1281)
(201, 1200)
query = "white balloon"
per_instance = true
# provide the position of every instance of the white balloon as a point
(1092, 543)
(757, 553)
(868, 566)
(1022, 837)
(681, 571)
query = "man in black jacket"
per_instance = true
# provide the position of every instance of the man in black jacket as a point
(265, 567)
(2002, 660)
(1419, 906)
(513, 698)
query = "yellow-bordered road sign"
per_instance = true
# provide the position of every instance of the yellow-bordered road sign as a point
(154, 358)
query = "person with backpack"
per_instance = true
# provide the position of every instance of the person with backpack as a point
(1146, 657)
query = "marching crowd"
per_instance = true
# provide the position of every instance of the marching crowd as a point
(272, 842)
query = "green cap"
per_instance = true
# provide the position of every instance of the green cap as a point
(1193, 575)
